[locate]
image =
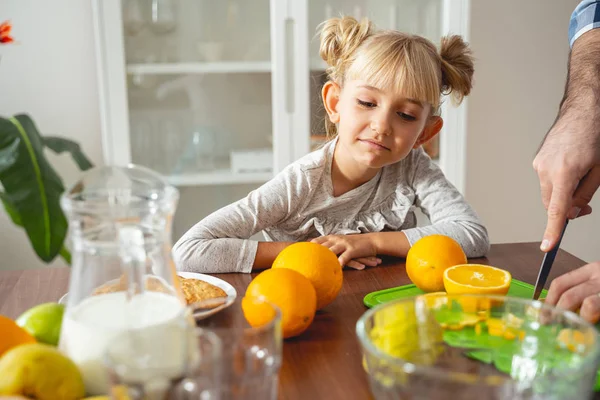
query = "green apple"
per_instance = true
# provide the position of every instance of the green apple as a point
(43, 322)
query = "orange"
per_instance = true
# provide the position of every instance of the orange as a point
(12, 335)
(289, 290)
(435, 300)
(476, 279)
(429, 257)
(575, 340)
(319, 264)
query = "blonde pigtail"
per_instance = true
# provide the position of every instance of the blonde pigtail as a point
(457, 67)
(340, 37)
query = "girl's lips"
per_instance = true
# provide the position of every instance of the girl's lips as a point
(373, 144)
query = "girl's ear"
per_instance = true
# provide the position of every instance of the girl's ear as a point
(432, 128)
(331, 99)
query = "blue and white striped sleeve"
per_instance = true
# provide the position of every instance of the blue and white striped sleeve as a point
(585, 17)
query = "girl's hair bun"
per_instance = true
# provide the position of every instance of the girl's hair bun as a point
(457, 67)
(340, 37)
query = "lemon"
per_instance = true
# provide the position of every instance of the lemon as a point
(40, 371)
(43, 322)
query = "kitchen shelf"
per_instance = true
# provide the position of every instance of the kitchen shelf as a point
(201, 68)
(218, 177)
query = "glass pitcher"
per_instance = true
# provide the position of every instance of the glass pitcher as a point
(123, 284)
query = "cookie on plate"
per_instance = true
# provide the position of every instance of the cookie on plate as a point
(196, 290)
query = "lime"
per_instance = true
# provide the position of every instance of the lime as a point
(43, 322)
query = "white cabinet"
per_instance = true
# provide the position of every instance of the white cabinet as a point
(188, 86)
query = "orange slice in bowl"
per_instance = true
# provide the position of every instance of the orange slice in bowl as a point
(476, 279)
(435, 300)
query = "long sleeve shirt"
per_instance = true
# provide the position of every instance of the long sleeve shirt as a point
(298, 205)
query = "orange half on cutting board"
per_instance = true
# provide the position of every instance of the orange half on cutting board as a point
(476, 279)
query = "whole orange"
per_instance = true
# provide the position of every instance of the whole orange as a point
(289, 290)
(429, 257)
(316, 262)
(12, 335)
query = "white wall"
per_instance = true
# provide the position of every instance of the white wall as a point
(522, 51)
(51, 75)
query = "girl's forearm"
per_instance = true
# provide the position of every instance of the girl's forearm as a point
(266, 254)
(390, 243)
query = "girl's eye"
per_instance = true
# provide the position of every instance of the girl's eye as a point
(365, 103)
(406, 117)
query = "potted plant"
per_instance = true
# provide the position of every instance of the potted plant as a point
(30, 187)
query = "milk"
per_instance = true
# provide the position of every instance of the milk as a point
(151, 324)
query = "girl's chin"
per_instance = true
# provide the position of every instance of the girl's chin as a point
(372, 162)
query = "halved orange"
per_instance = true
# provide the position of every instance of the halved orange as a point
(476, 279)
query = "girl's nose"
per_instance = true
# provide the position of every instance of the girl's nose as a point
(380, 124)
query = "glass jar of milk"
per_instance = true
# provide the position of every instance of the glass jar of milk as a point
(123, 278)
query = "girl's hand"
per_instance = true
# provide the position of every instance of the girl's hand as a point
(354, 251)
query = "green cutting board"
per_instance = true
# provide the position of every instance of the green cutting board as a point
(517, 289)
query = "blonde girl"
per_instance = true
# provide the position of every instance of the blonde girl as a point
(356, 195)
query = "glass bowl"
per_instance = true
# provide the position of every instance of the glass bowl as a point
(477, 347)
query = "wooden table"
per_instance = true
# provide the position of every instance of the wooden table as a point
(325, 361)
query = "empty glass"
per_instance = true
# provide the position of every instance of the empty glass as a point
(143, 367)
(477, 347)
(163, 22)
(249, 360)
(133, 19)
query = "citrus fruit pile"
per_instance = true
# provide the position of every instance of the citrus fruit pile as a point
(437, 263)
(30, 365)
(304, 278)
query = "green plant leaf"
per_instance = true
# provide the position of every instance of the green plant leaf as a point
(10, 209)
(60, 145)
(32, 185)
(65, 254)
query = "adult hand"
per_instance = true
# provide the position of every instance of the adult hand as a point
(567, 160)
(579, 288)
(567, 166)
(355, 251)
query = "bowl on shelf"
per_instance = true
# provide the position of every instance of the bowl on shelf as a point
(210, 51)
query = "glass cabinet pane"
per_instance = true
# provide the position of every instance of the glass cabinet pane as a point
(174, 31)
(422, 17)
(199, 89)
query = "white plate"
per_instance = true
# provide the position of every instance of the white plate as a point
(220, 283)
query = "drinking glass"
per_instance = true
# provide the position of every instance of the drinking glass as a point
(133, 19)
(477, 347)
(163, 22)
(249, 360)
(144, 366)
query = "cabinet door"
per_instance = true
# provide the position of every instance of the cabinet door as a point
(196, 89)
(429, 18)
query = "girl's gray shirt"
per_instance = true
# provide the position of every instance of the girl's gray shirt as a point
(298, 205)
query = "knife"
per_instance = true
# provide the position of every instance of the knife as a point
(547, 265)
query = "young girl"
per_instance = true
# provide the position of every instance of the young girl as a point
(355, 194)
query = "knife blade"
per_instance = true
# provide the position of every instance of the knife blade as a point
(547, 265)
